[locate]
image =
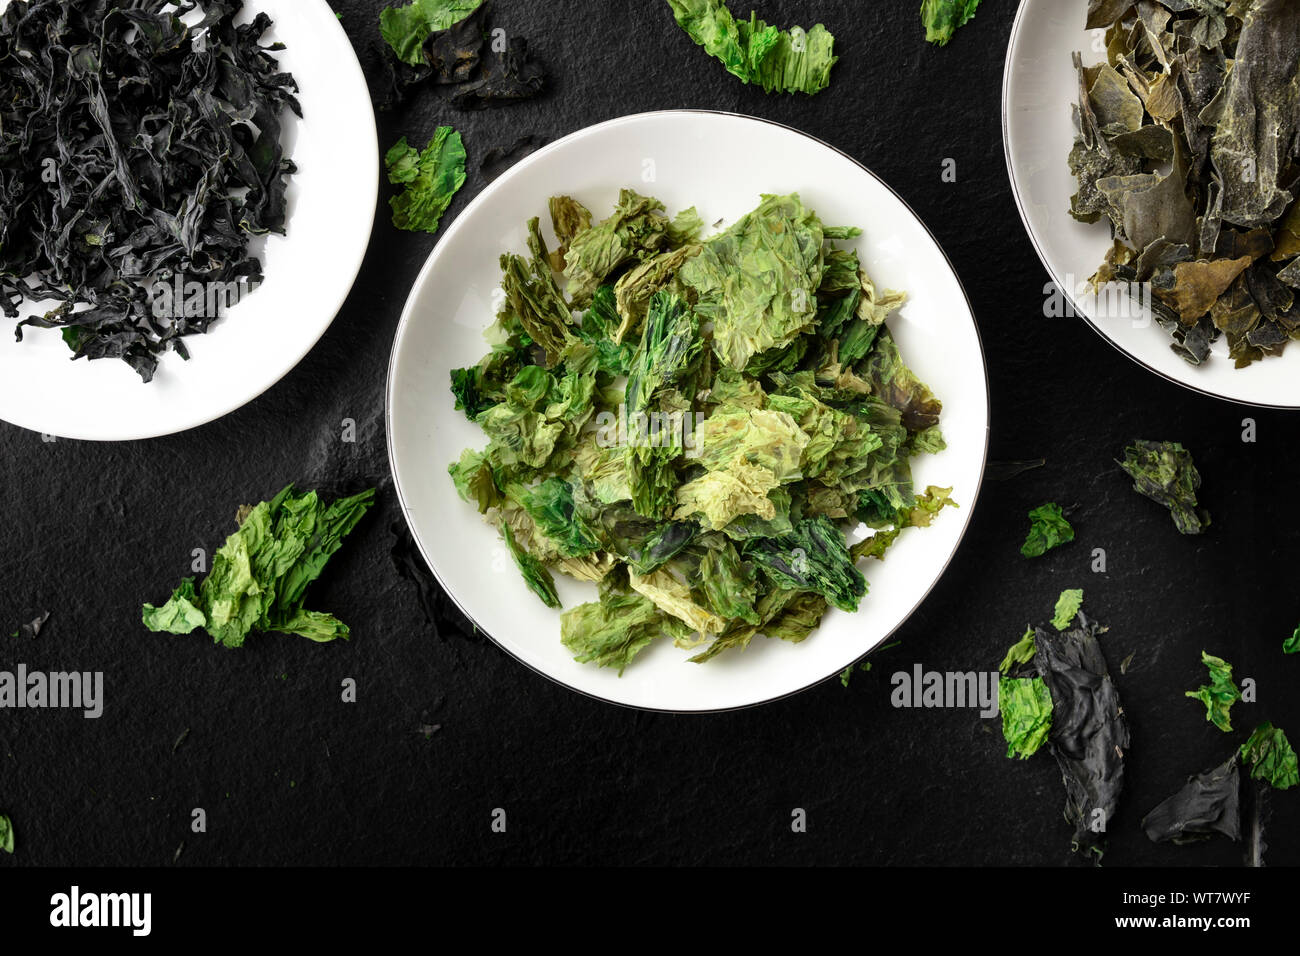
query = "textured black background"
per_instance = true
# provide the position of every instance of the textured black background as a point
(288, 774)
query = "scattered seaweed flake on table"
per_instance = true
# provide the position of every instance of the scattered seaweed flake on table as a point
(450, 47)
(1048, 529)
(405, 28)
(1269, 757)
(1292, 644)
(1220, 694)
(1208, 803)
(1026, 706)
(260, 576)
(1187, 146)
(1166, 473)
(152, 153)
(697, 442)
(942, 18)
(430, 179)
(780, 61)
(1067, 607)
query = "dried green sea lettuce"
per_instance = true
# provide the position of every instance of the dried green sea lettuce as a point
(451, 48)
(1269, 757)
(694, 424)
(1067, 608)
(758, 281)
(781, 61)
(942, 18)
(1219, 694)
(260, 576)
(430, 179)
(1021, 652)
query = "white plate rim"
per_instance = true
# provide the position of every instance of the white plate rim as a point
(1056, 278)
(126, 432)
(408, 312)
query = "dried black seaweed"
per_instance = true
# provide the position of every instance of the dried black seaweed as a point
(134, 149)
(478, 65)
(1208, 803)
(1089, 731)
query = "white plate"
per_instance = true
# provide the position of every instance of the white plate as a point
(309, 271)
(1039, 85)
(720, 163)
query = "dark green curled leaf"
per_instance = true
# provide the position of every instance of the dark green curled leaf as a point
(1269, 757)
(813, 557)
(1089, 733)
(551, 507)
(1165, 473)
(1048, 529)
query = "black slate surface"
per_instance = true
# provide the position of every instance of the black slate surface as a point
(287, 773)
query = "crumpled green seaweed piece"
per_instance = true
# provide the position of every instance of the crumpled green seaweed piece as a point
(942, 18)
(1220, 694)
(260, 575)
(431, 177)
(757, 281)
(785, 61)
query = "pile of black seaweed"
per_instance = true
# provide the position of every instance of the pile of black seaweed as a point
(135, 148)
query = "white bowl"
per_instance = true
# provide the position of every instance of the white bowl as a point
(719, 163)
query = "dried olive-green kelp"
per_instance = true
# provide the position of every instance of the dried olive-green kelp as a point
(780, 61)
(1165, 473)
(1188, 146)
